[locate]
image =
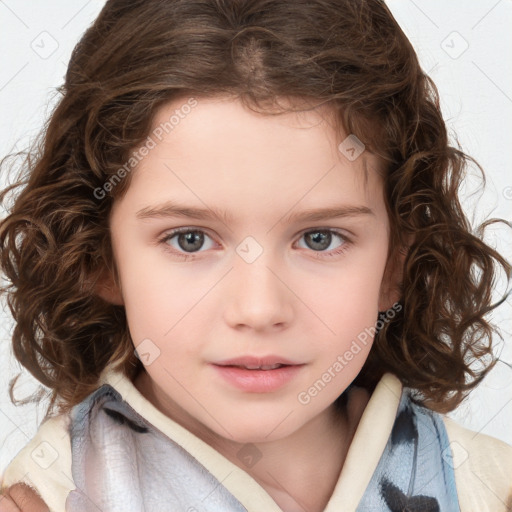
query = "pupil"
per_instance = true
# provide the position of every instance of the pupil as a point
(323, 238)
(189, 238)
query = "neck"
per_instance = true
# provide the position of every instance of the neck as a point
(300, 471)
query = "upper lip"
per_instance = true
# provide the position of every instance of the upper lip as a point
(256, 362)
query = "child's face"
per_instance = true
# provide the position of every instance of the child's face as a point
(256, 284)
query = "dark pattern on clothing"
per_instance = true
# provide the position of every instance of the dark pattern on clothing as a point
(123, 420)
(397, 501)
(404, 429)
(405, 432)
(415, 472)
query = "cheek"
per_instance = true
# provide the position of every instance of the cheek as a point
(153, 303)
(164, 307)
(351, 293)
(348, 305)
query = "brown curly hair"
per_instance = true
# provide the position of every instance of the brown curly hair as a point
(139, 55)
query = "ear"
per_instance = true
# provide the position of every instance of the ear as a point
(108, 290)
(391, 286)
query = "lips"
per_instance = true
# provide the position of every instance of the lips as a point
(257, 363)
(258, 374)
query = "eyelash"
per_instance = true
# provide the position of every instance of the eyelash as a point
(192, 256)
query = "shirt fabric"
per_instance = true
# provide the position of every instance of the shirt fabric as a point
(116, 451)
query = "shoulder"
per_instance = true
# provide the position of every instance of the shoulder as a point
(45, 463)
(483, 469)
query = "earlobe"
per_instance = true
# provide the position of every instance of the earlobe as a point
(110, 294)
(109, 291)
(391, 286)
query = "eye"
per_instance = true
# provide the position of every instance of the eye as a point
(321, 239)
(187, 239)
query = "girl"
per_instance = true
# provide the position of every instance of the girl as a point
(240, 265)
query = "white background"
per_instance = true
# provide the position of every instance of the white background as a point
(36, 40)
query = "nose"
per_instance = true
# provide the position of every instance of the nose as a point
(259, 298)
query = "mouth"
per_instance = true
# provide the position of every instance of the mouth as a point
(258, 375)
(271, 362)
(255, 367)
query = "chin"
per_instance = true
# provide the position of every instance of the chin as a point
(272, 428)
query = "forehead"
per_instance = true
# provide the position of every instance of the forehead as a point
(219, 145)
(298, 122)
(296, 117)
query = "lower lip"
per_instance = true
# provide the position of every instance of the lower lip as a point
(258, 381)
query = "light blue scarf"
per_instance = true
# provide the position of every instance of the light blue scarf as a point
(121, 463)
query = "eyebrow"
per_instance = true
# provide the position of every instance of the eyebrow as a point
(172, 209)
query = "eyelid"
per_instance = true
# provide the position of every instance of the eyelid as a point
(347, 239)
(168, 235)
(344, 233)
